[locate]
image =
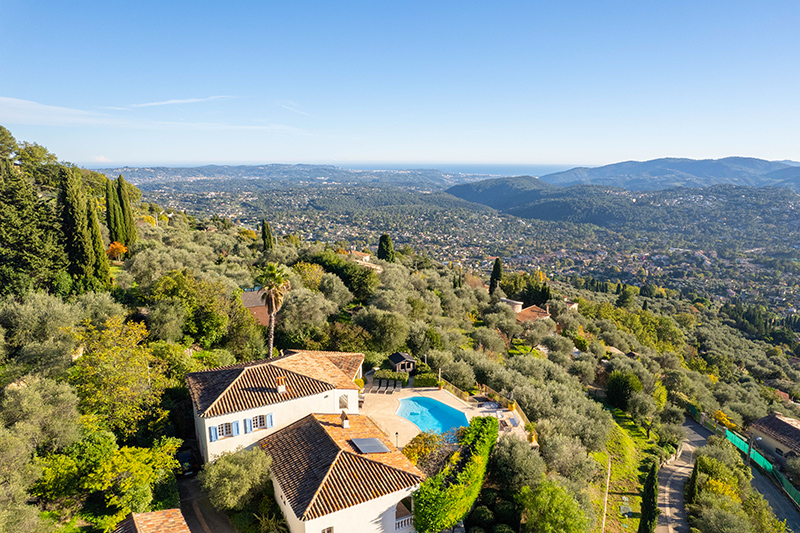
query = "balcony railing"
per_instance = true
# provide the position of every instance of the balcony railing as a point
(403, 523)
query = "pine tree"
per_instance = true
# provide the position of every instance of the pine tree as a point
(114, 219)
(386, 248)
(266, 235)
(497, 275)
(127, 213)
(75, 223)
(647, 523)
(102, 271)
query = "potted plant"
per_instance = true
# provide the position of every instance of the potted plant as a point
(441, 384)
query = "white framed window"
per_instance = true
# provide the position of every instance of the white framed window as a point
(343, 400)
(327, 530)
(259, 422)
(224, 430)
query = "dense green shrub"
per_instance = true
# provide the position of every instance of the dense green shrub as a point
(506, 512)
(476, 529)
(444, 499)
(488, 496)
(483, 517)
(502, 528)
(426, 380)
(392, 376)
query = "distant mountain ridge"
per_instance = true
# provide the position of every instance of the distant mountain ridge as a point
(666, 173)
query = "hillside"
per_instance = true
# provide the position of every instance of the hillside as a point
(673, 172)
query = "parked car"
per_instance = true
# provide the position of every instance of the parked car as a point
(188, 462)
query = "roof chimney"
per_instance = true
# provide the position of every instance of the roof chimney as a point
(281, 384)
(345, 420)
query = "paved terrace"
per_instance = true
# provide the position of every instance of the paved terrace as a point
(381, 408)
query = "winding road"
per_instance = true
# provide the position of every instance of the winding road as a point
(672, 478)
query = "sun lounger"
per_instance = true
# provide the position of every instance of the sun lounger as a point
(513, 421)
(390, 388)
(503, 424)
(398, 385)
(384, 385)
(375, 384)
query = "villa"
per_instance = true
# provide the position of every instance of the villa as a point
(341, 474)
(236, 406)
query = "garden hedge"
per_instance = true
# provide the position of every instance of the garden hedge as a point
(444, 499)
(392, 376)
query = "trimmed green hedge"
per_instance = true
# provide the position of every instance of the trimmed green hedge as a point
(393, 376)
(444, 499)
(426, 380)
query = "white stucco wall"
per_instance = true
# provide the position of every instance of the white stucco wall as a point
(374, 516)
(283, 414)
(766, 446)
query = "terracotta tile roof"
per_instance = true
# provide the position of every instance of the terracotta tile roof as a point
(533, 312)
(347, 362)
(320, 471)
(253, 302)
(168, 521)
(249, 385)
(781, 428)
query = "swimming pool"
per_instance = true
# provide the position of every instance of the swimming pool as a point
(431, 415)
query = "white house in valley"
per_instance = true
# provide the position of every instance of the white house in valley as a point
(341, 474)
(236, 406)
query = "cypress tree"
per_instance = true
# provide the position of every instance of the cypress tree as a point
(21, 235)
(102, 272)
(691, 486)
(266, 235)
(75, 223)
(128, 225)
(497, 275)
(114, 214)
(386, 248)
(647, 524)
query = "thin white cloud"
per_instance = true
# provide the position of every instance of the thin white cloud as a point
(182, 101)
(101, 159)
(290, 108)
(18, 111)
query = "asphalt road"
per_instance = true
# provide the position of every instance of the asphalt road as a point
(672, 477)
(200, 515)
(783, 507)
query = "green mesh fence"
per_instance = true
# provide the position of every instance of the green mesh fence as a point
(787, 486)
(740, 443)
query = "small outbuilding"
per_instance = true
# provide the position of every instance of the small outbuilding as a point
(402, 362)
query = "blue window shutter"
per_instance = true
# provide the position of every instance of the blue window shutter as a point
(269, 421)
(212, 433)
(235, 428)
(248, 425)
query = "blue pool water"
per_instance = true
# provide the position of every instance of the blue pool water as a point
(431, 415)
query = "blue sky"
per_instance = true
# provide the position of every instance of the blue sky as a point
(559, 82)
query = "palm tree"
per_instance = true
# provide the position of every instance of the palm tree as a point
(274, 281)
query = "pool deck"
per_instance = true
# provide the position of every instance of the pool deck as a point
(381, 408)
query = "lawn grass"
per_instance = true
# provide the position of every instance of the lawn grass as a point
(628, 446)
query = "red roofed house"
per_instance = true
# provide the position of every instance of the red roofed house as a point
(235, 406)
(533, 312)
(167, 521)
(339, 473)
(255, 304)
(779, 437)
